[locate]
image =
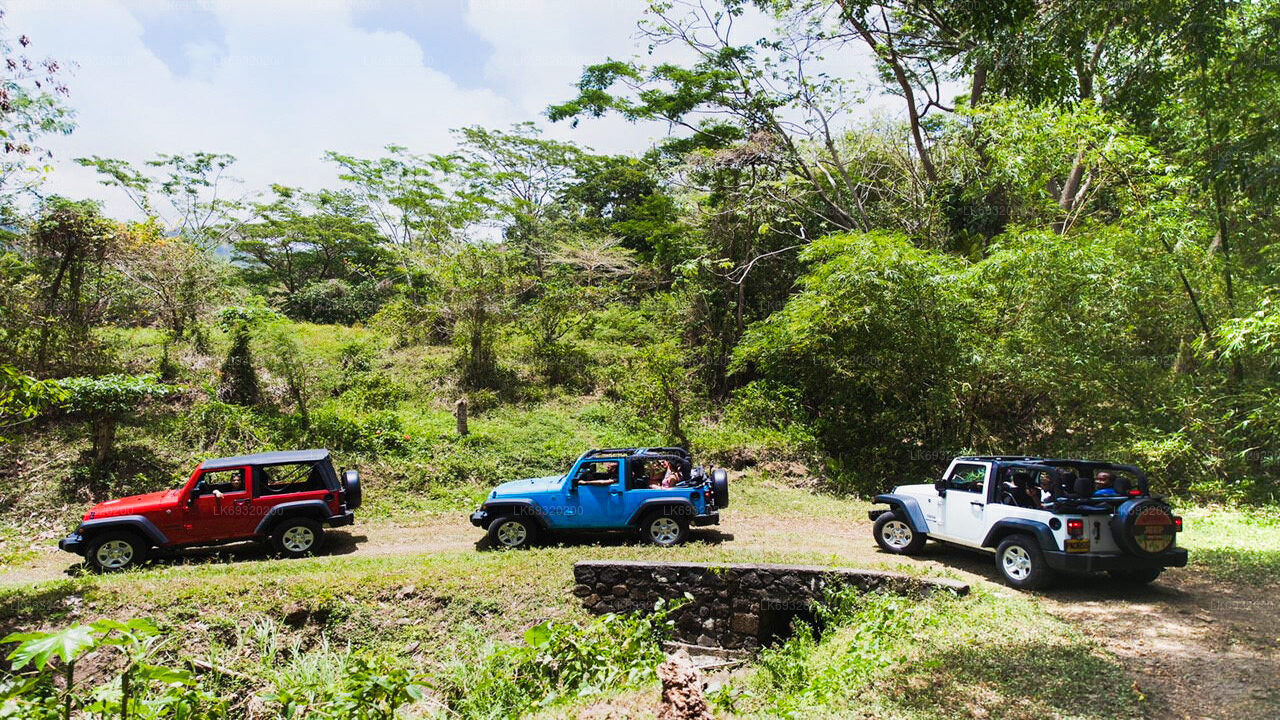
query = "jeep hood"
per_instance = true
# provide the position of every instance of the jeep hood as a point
(520, 488)
(134, 504)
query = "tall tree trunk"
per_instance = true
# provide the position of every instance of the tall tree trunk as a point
(889, 55)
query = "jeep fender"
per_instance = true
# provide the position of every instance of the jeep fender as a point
(1010, 526)
(906, 507)
(310, 509)
(138, 523)
(669, 506)
(513, 507)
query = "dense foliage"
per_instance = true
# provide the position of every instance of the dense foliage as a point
(1073, 255)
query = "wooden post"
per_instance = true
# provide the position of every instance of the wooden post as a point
(460, 411)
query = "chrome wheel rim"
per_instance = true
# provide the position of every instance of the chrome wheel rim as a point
(1016, 562)
(664, 531)
(896, 534)
(298, 539)
(513, 534)
(114, 554)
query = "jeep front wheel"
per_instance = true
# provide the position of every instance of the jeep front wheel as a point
(115, 551)
(1021, 563)
(664, 530)
(512, 533)
(297, 537)
(895, 535)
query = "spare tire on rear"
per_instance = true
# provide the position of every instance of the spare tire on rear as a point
(351, 487)
(1144, 527)
(720, 487)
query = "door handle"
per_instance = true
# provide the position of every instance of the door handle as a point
(242, 502)
(977, 504)
(615, 492)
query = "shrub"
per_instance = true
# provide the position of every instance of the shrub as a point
(334, 301)
(558, 661)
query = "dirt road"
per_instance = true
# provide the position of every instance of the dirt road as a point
(1198, 648)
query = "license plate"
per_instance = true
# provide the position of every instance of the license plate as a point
(1078, 545)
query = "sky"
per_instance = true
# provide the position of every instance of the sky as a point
(278, 82)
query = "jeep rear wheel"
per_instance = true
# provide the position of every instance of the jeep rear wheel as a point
(664, 530)
(894, 534)
(297, 537)
(1021, 563)
(115, 551)
(512, 533)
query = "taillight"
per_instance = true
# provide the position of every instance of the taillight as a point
(1177, 524)
(1075, 528)
(1135, 492)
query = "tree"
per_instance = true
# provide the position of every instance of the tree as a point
(520, 175)
(419, 205)
(32, 105)
(187, 193)
(480, 286)
(317, 252)
(71, 246)
(764, 88)
(106, 401)
(22, 397)
(179, 279)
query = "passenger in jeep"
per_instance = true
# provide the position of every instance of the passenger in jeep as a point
(1104, 485)
(661, 475)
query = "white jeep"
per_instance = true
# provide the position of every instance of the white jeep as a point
(1040, 516)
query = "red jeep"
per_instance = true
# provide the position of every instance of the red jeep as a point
(281, 497)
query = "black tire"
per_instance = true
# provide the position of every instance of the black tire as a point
(512, 533)
(1144, 527)
(1136, 577)
(664, 529)
(895, 535)
(297, 537)
(352, 490)
(116, 550)
(720, 487)
(1021, 563)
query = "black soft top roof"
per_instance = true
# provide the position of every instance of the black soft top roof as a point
(282, 457)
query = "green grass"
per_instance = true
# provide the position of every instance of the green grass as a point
(1234, 545)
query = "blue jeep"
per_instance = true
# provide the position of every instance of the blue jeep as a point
(609, 489)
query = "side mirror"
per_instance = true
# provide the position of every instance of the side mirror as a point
(941, 487)
(197, 490)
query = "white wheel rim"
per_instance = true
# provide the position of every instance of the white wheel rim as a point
(1016, 562)
(114, 554)
(298, 539)
(664, 530)
(896, 534)
(512, 534)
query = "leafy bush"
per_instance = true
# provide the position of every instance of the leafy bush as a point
(135, 687)
(411, 324)
(560, 661)
(377, 432)
(223, 428)
(365, 688)
(334, 301)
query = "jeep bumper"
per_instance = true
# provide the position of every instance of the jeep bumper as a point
(1098, 562)
(711, 518)
(73, 543)
(480, 518)
(346, 518)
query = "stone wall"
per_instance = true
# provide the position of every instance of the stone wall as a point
(738, 606)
